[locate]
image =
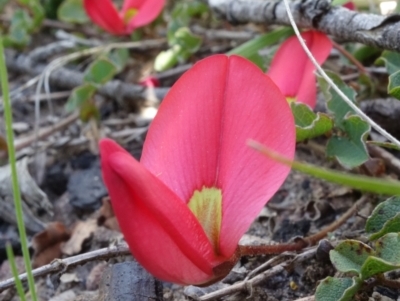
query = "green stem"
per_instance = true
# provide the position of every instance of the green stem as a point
(14, 270)
(14, 177)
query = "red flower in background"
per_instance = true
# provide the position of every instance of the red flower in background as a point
(293, 71)
(134, 14)
(350, 5)
(150, 82)
(198, 186)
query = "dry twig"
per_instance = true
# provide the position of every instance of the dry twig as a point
(64, 264)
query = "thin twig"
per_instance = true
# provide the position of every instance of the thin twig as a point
(44, 133)
(350, 57)
(332, 84)
(303, 242)
(64, 264)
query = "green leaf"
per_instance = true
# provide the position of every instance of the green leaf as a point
(334, 102)
(388, 248)
(184, 11)
(186, 39)
(391, 226)
(100, 71)
(350, 149)
(363, 183)
(79, 96)
(337, 289)
(391, 60)
(250, 48)
(374, 265)
(387, 256)
(18, 34)
(394, 84)
(119, 57)
(350, 255)
(38, 15)
(309, 124)
(382, 213)
(72, 11)
(365, 53)
(88, 111)
(183, 44)
(166, 59)
(51, 7)
(349, 146)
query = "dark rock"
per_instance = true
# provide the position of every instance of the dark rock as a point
(86, 188)
(289, 229)
(128, 281)
(56, 180)
(83, 161)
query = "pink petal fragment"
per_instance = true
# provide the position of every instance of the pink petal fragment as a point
(105, 15)
(182, 145)
(254, 108)
(293, 71)
(161, 231)
(147, 12)
(128, 4)
(350, 5)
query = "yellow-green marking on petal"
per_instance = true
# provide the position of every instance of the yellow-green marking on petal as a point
(291, 99)
(130, 13)
(206, 205)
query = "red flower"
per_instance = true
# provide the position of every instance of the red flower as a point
(198, 186)
(150, 82)
(350, 5)
(134, 14)
(292, 70)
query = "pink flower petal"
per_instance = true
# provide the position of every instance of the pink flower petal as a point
(293, 71)
(182, 145)
(128, 4)
(199, 139)
(254, 109)
(350, 5)
(162, 233)
(105, 15)
(147, 12)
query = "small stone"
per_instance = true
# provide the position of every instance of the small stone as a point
(86, 188)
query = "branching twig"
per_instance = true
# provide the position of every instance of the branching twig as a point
(247, 285)
(63, 264)
(341, 23)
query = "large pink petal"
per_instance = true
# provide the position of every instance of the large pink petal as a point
(148, 11)
(293, 71)
(105, 15)
(182, 145)
(162, 233)
(199, 139)
(254, 109)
